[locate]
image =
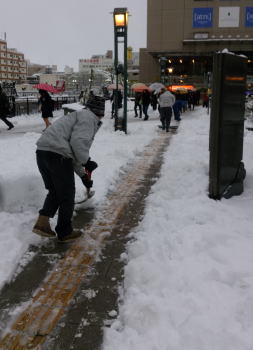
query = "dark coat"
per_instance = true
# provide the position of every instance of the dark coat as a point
(145, 97)
(118, 98)
(4, 104)
(47, 106)
(137, 97)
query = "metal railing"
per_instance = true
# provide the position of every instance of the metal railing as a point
(30, 105)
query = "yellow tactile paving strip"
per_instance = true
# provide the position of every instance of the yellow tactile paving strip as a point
(50, 301)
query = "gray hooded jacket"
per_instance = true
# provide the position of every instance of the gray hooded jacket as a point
(71, 136)
(166, 99)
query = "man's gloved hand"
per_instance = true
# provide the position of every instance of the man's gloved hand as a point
(86, 180)
(90, 165)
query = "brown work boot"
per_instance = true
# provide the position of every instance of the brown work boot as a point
(42, 227)
(70, 237)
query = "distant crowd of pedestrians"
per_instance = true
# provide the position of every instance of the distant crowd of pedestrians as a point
(167, 103)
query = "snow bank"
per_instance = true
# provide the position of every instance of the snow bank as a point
(189, 280)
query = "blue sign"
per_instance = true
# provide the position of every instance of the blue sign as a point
(249, 17)
(202, 17)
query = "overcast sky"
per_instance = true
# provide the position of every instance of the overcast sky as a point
(62, 31)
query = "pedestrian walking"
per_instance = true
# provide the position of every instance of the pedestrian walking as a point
(197, 97)
(176, 109)
(191, 100)
(145, 103)
(5, 109)
(166, 101)
(81, 97)
(137, 104)
(46, 106)
(205, 100)
(116, 100)
(153, 100)
(184, 99)
(13, 106)
(62, 150)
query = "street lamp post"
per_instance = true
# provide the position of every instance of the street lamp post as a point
(75, 85)
(120, 16)
(91, 79)
(163, 65)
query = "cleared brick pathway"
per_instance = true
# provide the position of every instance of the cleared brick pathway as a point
(50, 302)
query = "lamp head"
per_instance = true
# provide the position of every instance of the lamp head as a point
(120, 16)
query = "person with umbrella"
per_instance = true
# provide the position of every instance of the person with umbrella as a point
(153, 99)
(46, 106)
(81, 97)
(177, 107)
(166, 101)
(145, 103)
(155, 88)
(137, 104)
(116, 100)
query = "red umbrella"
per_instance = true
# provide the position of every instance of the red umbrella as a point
(113, 87)
(46, 87)
(139, 87)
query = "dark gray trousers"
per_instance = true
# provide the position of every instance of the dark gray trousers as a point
(6, 121)
(165, 113)
(58, 175)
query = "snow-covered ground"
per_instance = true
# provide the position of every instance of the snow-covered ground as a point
(189, 278)
(21, 188)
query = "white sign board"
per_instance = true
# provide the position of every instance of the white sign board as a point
(229, 17)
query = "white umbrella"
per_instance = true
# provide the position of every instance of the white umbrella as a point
(156, 86)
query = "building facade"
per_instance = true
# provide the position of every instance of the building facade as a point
(13, 66)
(183, 35)
(133, 70)
(97, 62)
(51, 78)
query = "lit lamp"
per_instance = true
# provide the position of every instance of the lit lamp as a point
(193, 66)
(120, 18)
(170, 70)
(75, 83)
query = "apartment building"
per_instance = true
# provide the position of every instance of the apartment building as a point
(13, 67)
(96, 62)
(182, 36)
